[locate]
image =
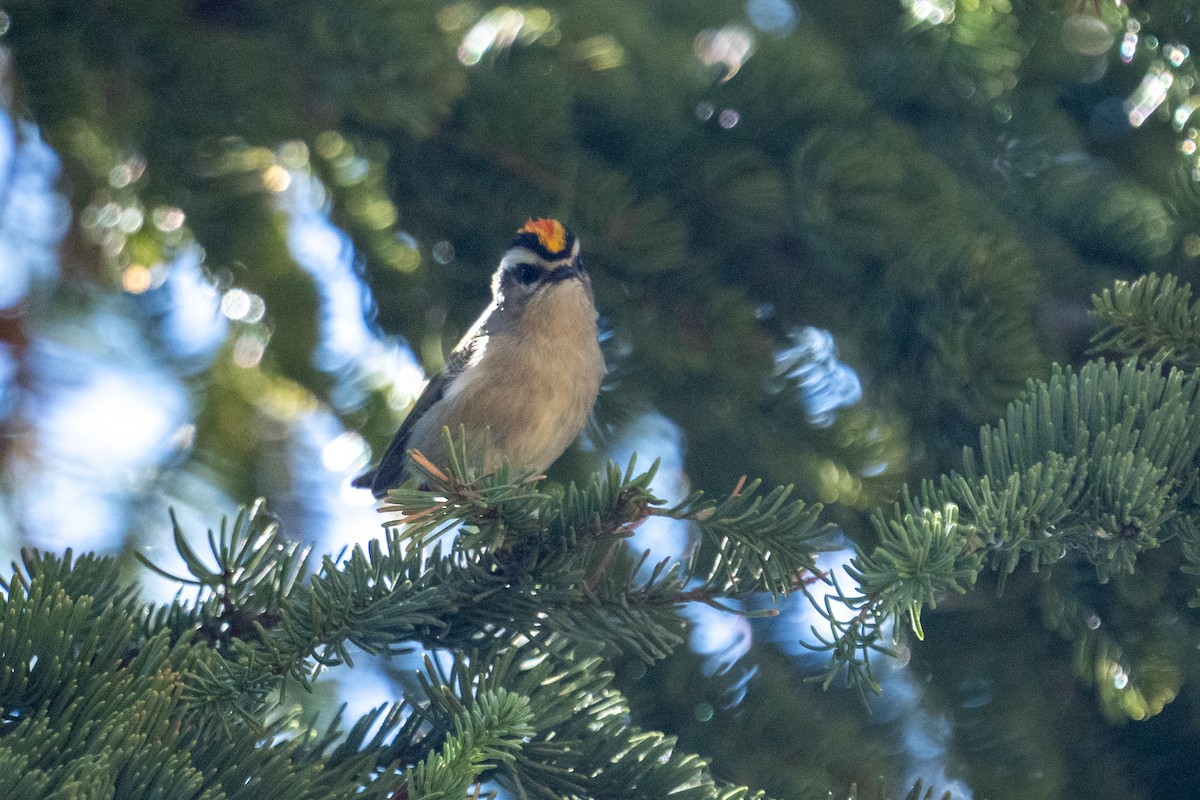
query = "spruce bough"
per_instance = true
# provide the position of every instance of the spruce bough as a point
(106, 695)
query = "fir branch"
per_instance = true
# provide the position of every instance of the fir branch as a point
(854, 632)
(498, 510)
(254, 570)
(1152, 317)
(1099, 463)
(581, 744)
(763, 543)
(531, 562)
(96, 710)
(373, 599)
(1188, 531)
(87, 575)
(487, 733)
(491, 506)
(502, 579)
(921, 555)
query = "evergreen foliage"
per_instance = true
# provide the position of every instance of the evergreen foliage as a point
(105, 696)
(1100, 463)
(528, 599)
(938, 184)
(1150, 315)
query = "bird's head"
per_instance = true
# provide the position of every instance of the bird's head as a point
(544, 253)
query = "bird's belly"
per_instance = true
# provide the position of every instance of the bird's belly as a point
(533, 407)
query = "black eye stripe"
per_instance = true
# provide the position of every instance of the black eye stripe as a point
(526, 273)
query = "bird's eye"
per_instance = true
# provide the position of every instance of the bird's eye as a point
(527, 273)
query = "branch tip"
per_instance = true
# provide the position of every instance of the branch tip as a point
(424, 463)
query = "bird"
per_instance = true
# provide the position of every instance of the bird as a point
(525, 376)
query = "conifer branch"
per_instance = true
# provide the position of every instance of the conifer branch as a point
(581, 744)
(1099, 463)
(762, 542)
(488, 732)
(254, 570)
(1151, 317)
(524, 561)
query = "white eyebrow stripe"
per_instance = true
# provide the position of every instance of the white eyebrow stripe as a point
(523, 255)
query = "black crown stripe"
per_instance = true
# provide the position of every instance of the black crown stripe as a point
(530, 241)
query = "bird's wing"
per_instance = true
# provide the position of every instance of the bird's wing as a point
(394, 463)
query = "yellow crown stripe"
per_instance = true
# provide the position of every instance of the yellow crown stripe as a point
(550, 233)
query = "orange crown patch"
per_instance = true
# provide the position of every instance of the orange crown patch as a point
(550, 233)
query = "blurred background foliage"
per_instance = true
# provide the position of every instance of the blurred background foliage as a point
(829, 240)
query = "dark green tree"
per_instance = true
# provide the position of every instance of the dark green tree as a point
(940, 185)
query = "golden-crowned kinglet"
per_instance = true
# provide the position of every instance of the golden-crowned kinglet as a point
(529, 369)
